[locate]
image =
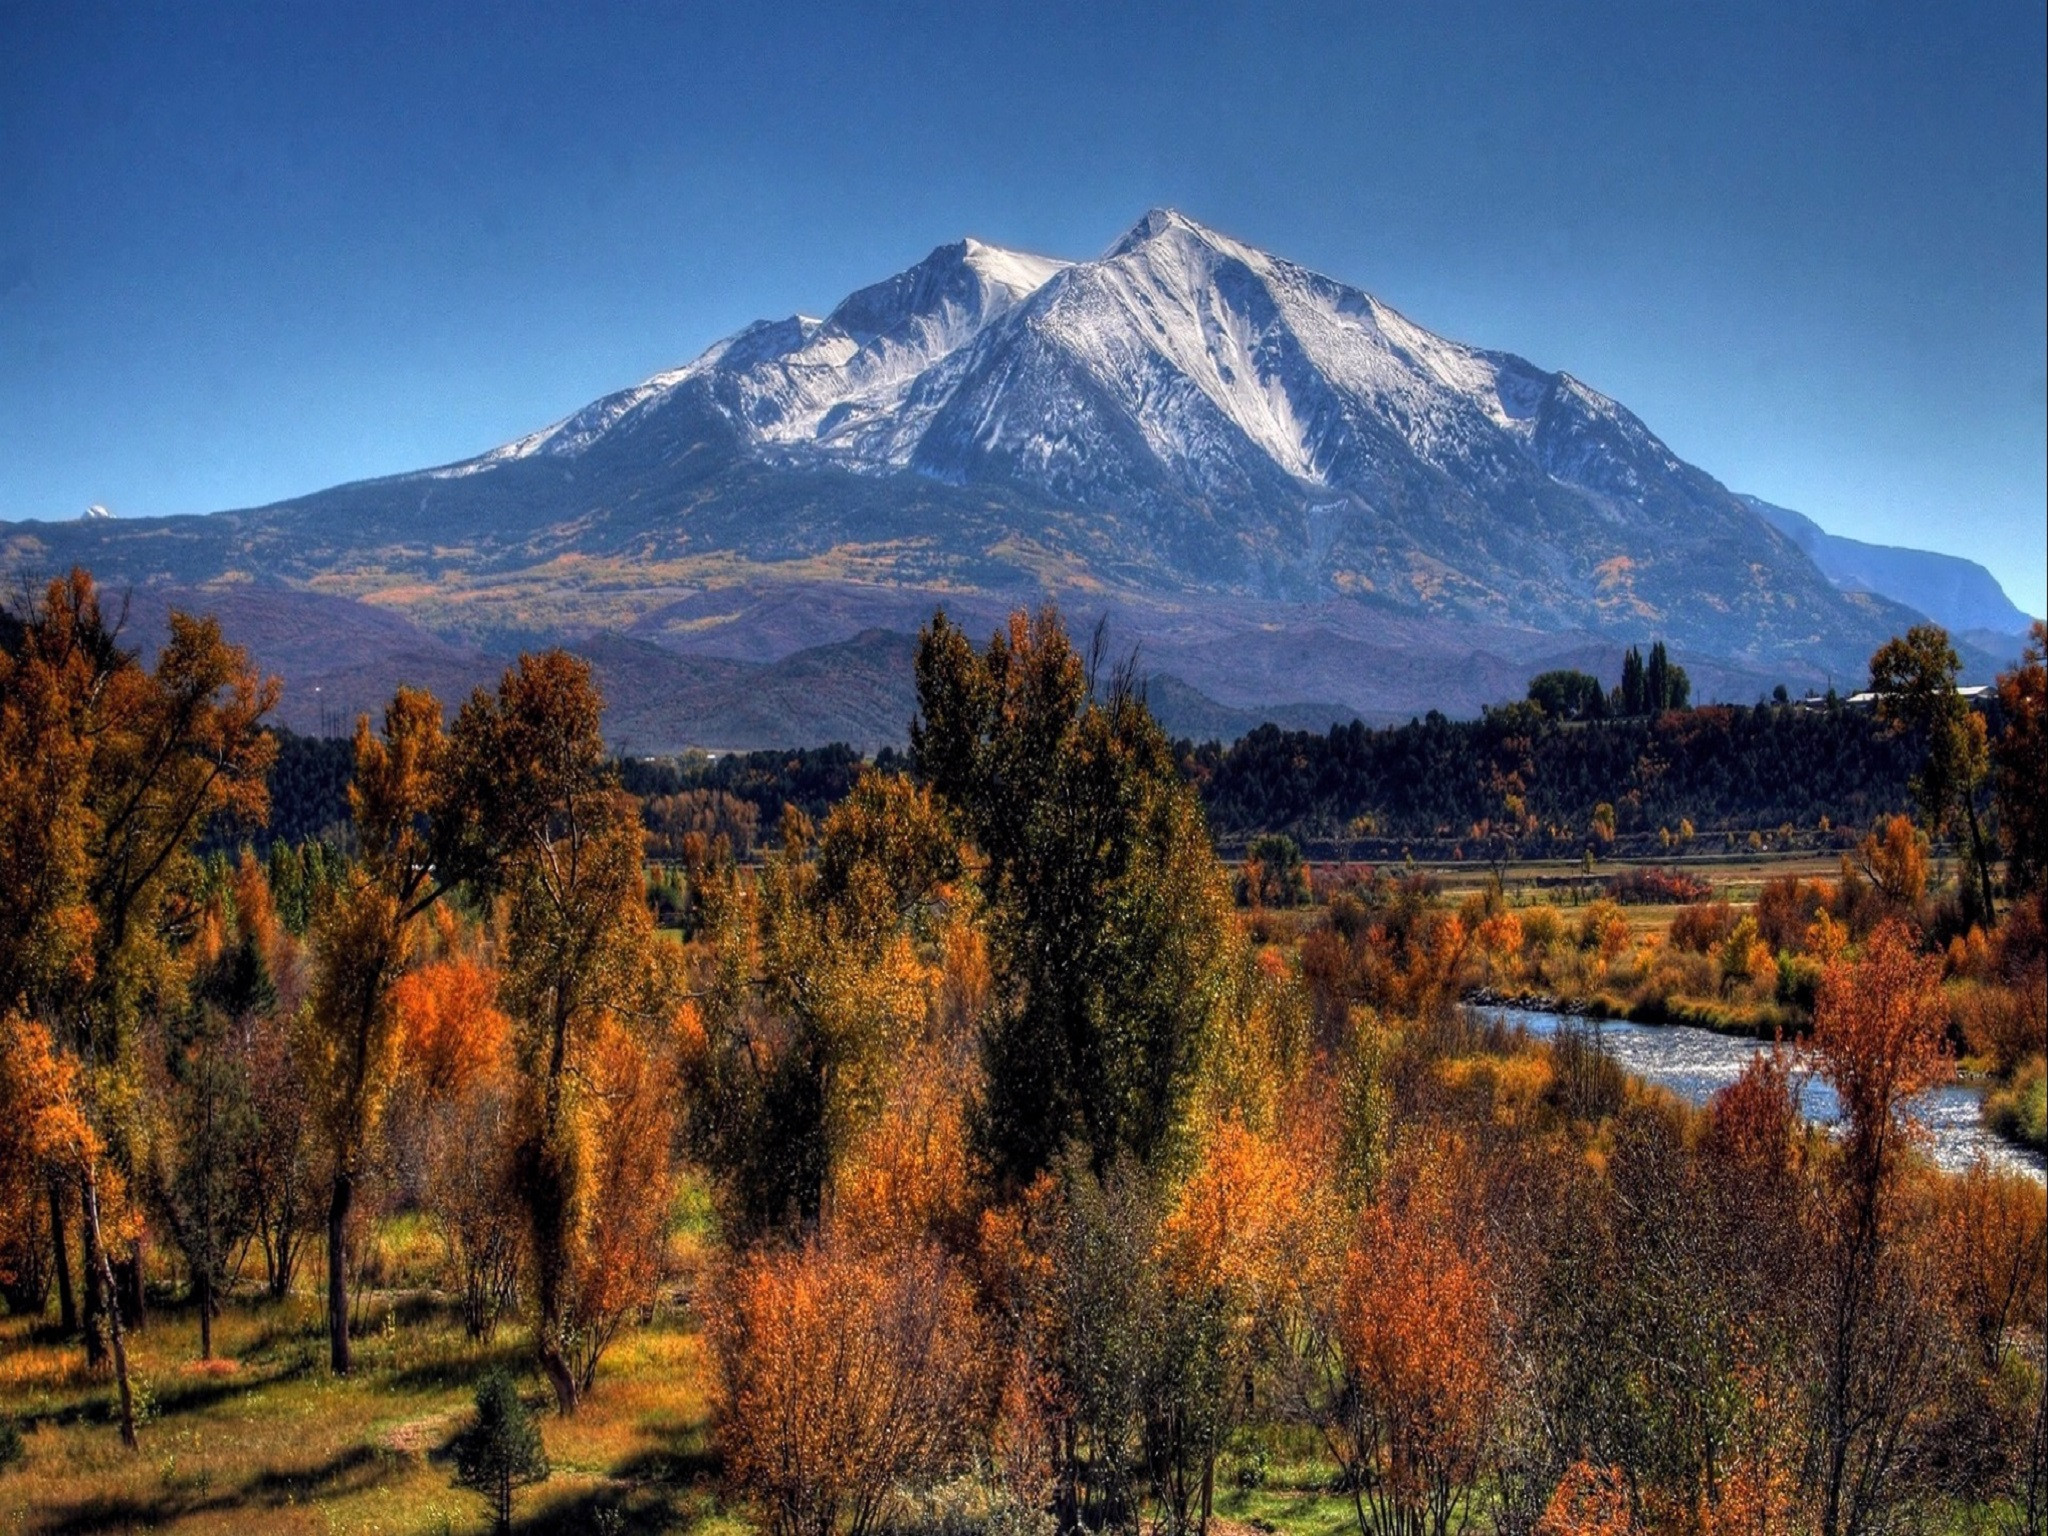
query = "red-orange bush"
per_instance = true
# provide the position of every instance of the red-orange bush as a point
(1418, 1327)
(849, 1378)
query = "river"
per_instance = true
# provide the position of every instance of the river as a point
(1695, 1063)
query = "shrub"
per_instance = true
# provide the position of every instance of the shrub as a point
(1603, 928)
(1699, 929)
(2000, 1026)
(2019, 1111)
(1798, 980)
(1657, 887)
(1542, 928)
(850, 1379)
(1587, 1083)
(1786, 907)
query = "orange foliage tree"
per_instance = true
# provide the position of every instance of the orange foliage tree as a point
(1588, 1501)
(109, 771)
(1230, 1245)
(1894, 860)
(585, 985)
(457, 1045)
(362, 944)
(2019, 760)
(1879, 1038)
(850, 1377)
(1419, 1328)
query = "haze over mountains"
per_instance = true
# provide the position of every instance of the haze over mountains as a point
(1291, 500)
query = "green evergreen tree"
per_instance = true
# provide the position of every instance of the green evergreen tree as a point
(502, 1450)
(1634, 694)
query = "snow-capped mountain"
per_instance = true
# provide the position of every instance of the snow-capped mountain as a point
(1248, 425)
(1260, 472)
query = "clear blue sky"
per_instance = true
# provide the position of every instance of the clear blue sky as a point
(253, 251)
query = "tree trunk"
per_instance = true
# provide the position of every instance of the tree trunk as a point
(96, 1293)
(96, 1256)
(67, 1301)
(1982, 862)
(203, 1287)
(337, 1272)
(280, 1252)
(557, 1371)
(129, 1272)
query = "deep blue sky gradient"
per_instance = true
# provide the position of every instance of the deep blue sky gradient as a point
(250, 251)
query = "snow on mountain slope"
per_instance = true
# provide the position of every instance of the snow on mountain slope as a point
(1183, 416)
(1181, 357)
(1282, 487)
(825, 382)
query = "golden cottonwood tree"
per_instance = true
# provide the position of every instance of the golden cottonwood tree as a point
(408, 859)
(590, 997)
(109, 771)
(1879, 1038)
(850, 1378)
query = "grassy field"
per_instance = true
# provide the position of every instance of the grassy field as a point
(1735, 876)
(266, 1440)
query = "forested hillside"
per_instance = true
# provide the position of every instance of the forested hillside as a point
(1425, 785)
(1435, 779)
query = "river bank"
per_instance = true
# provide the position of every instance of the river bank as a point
(1696, 1063)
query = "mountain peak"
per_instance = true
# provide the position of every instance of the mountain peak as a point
(1164, 223)
(1020, 272)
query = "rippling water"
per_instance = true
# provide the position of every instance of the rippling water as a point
(1696, 1063)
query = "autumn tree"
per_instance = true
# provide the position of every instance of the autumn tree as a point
(207, 1114)
(279, 1179)
(1589, 1501)
(1075, 1265)
(456, 1042)
(1420, 1335)
(1914, 678)
(2020, 761)
(1106, 903)
(1879, 1038)
(585, 988)
(38, 1130)
(850, 1378)
(1229, 1247)
(109, 772)
(416, 842)
(849, 919)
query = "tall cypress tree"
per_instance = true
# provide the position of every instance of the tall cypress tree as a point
(1632, 691)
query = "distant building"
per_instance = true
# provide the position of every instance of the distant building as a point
(1971, 693)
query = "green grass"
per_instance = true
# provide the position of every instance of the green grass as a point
(268, 1440)
(1280, 1505)
(2019, 1110)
